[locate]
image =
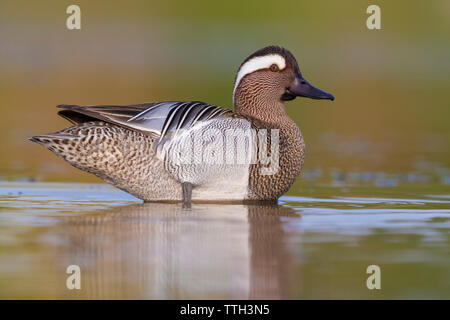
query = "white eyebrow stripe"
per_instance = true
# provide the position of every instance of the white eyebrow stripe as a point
(258, 63)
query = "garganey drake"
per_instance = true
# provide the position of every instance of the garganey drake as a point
(194, 151)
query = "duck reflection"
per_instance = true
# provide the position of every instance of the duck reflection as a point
(164, 251)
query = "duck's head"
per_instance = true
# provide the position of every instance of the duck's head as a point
(271, 75)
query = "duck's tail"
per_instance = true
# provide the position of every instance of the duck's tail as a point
(72, 147)
(121, 157)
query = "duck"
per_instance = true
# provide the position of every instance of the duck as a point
(192, 151)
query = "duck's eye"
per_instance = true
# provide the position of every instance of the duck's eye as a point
(274, 68)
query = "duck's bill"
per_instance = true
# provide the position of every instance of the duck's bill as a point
(302, 88)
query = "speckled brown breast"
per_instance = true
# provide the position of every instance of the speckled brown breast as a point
(291, 156)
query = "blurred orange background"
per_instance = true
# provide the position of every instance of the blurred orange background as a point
(391, 112)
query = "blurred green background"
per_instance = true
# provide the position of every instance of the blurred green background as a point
(391, 112)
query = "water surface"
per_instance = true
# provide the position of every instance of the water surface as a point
(314, 246)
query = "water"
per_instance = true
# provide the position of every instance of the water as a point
(317, 245)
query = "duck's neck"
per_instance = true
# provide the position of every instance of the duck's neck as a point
(270, 112)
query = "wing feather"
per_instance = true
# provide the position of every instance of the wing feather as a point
(155, 119)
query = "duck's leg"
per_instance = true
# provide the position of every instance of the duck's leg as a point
(187, 193)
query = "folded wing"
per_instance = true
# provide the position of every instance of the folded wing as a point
(156, 119)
